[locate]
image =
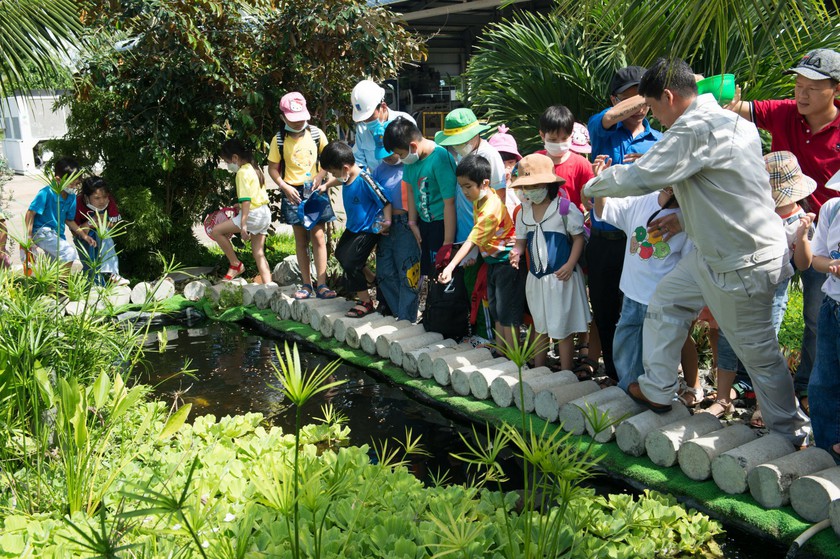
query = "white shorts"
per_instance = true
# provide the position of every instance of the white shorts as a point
(54, 246)
(259, 220)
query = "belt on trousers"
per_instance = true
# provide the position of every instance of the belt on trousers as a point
(609, 235)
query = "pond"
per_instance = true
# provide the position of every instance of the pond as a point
(232, 371)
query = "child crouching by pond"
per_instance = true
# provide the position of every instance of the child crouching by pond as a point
(96, 209)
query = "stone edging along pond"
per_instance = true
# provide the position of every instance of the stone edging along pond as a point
(444, 362)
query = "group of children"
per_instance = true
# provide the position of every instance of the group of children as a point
(88, 209)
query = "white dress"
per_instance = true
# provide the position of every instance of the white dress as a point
(559, 308)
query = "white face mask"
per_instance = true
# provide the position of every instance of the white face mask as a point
(556, 149)
(69, 190)
(296, 130)
(411, 158)
(94, 208)
(233, 167)
(464, 149)
(535, 195)
(482, 193)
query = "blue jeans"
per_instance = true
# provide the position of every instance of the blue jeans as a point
(101, 259)
(398, 269)
(627, 343)
(812, 298)
(824, 384)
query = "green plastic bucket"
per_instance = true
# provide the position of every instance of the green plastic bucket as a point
(721, 86)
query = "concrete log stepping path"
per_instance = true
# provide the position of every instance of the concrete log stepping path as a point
(734, 457)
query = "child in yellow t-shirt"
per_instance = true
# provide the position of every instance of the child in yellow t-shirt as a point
(254, 217)
(292, 163)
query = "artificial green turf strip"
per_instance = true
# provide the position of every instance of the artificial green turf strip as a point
(781, 524)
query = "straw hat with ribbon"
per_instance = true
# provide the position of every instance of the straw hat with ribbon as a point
(459, 127)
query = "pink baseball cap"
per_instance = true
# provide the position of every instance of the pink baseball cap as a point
(504, 142)
(293, 106)
(580, 139)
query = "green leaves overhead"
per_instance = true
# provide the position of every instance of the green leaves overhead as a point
(34, 35)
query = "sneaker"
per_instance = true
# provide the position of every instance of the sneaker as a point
(118, 280)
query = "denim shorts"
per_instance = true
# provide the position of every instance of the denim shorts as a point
(289, 211)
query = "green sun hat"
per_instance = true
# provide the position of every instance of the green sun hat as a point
(459, 126)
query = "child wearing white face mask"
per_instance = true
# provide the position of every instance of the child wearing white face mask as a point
(97, 209)
(557, 125)
(555, 289)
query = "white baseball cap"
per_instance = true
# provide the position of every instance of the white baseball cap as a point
(366, 96)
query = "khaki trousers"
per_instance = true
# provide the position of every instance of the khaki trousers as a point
(741, 302)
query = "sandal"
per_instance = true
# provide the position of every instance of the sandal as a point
(324, 292)
(756, 420)
(361, 309)
(234, 271)
(305, 292)
(582, 351)
(690, 397)
(585, 369)
(720, 409)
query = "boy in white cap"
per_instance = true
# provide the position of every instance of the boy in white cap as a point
(371, 115)
(293, 160)
(809, 127)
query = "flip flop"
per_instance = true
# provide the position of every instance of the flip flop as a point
(234, 271)
(305, 292)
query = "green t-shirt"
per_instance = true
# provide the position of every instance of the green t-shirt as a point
(432, 180)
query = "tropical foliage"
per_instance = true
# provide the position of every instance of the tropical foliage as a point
(523, 65)
(34, 37)
(165, 82)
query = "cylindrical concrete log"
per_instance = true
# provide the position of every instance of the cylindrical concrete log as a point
(696, 455)
(834, 515)
(442, 367)
(571, 414)
(770, 482)
(532, 386)
(630, 433)
(326, 305)
(113, 296)
(811, 495)
(75, 308)
(426, 360)
(611, 413)
(410, 359)
(281, 304)
(249, 291)
(547, 403)
(195, 290)
(262, 298)
(460, 378)
(354, 333)
(340, 307)
(343, 324)
(503, 387)
(663, 444)
(371, 337)
(300, 307)
(383, 342)
(730, 469)
(327, 322)
(158, 291)
(480, 383)
(401, 346)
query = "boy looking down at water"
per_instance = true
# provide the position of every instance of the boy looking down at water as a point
(494, 235)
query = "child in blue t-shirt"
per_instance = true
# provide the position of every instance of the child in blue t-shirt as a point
(50, 211)
(397, 254)
(367, 213)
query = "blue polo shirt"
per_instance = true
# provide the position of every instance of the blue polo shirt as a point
(616, 142)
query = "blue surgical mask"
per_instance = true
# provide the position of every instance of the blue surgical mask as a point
(296, 130)
(233, 167)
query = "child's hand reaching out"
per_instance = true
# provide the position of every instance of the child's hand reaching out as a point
(804, 226)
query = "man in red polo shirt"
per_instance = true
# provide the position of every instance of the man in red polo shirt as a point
(809, 126)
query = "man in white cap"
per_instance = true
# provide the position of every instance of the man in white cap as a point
(371, 115)
(809, 127)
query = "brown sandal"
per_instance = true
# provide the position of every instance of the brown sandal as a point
(720, 409)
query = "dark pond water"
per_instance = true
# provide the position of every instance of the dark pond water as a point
(232, 372)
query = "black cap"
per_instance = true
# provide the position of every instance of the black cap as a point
(626, 78)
